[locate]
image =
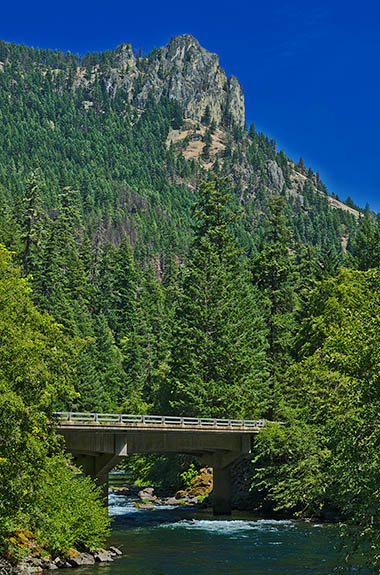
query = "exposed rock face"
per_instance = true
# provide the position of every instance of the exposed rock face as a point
(276, 176)
(184, 71)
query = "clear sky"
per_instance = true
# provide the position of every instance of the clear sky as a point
(309, 69)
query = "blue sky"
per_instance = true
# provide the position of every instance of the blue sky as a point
(310, 70)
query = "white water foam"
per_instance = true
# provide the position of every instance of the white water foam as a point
(229, 527)
(119, 505)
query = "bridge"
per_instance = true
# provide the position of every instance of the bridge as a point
(99, 441)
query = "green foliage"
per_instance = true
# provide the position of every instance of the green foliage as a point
(158, 470)
(289, 469)
(327, 459)
(365, 244)
(272, 273)
(67, 510)
(37, 370)
(189, 475)
(97, 209)
(218, 360)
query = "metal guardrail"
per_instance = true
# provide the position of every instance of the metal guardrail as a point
(72, 417)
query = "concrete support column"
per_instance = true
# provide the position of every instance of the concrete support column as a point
(98, 467)
(102, 482)
(222, 491)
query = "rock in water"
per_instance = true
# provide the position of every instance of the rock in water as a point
(147, 493)
(82, 559)
(115, 552)
(101, 555)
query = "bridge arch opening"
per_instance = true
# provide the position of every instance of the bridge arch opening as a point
(98, 442)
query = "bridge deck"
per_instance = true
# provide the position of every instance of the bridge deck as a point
(125, 422)
(118, 427)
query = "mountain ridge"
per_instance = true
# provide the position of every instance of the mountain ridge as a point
(135, 134)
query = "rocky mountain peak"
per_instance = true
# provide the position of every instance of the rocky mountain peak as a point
(185, 71)
(197, 81)
(184, 40)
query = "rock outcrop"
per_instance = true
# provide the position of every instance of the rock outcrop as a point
(276, 177)
(182, 70)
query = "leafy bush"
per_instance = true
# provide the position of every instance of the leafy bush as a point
(189, 475)
(68, 512)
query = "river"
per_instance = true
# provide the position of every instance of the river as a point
(172, 541)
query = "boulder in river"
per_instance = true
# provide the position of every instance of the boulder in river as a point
(30, 565)
(147, 494)
(115, 552)
(172, 501)
(101, 555)
(145, 506)
(7, 568)
(81, 559)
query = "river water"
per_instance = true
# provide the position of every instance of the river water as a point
(172, 541)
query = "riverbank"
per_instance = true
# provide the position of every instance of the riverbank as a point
(32, 564)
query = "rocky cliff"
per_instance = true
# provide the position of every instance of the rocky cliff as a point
(182, 70)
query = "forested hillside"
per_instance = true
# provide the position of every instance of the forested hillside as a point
(193, 267)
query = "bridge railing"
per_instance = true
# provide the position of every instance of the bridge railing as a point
(67, 416)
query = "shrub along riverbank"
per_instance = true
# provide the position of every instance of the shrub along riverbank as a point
(46, 509)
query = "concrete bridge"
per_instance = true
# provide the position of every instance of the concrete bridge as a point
(99, 441)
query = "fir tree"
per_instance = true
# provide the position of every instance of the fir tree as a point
(206, 118)
(365, 245)
(218, 363)
(272, 273)
(31, 222)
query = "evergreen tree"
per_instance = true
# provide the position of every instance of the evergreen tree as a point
(9, 226)
(328, 264)
(62, 285)
(272, 274)
(101, 376)
(365, 244)
(301, 166)
(122, 291)
(31, 223)
(206, 118)
(218, 365)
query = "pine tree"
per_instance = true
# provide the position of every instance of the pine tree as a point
(218, 363)
(301, 166)
(121, 303)
(328, 264)
(9, 227)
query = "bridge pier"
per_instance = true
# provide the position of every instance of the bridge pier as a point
(222, 488)
(222, 492)
(98, 467)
